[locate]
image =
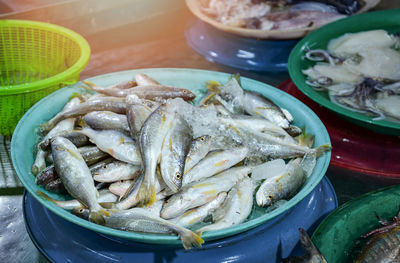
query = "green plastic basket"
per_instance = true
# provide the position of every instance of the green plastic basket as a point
(36, 59)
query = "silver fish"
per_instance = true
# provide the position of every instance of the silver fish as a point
(199, 148)
(120, 188)
(199, 193)
(61, 127)
(105, 196)
(267, 145)
(116, 171)
(130, 197)
(92, 154)
(257, 105)
(258, 124)
(236, 207)
(214, 163)
(116, 105)
(76, 177)
(141, 220)
(137, 111)
(197, 214)
(174, 151)
(115, 143)
(146, 92)
(281, 186)
(151, 139)
(106, 120)
(143, 79)
(109, 90)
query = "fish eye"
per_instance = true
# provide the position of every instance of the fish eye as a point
(81, 210)
(202, 139)
(184, 91)
(178, 175)
(270, 196)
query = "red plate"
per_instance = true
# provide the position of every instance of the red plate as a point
(353, 147)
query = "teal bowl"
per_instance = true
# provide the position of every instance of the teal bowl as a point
(25, 137)
(338, 235)
(388, 20)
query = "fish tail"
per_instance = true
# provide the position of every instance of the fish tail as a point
(310, 249)
(147, 194)
(98, 216)
(190, 239)
(322, 149)
(90, 85)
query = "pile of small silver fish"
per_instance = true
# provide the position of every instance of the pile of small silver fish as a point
(139, 156)
(361, 72)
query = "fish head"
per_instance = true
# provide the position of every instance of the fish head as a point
(81, 212)
(177, 180)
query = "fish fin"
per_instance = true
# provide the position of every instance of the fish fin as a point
(322, 149)
(191, 239)
(89, 85)
(107, 205)
(45, 196)
(306, 139)
(98, 216)
(80, 123)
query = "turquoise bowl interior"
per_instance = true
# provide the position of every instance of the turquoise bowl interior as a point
(25, 137)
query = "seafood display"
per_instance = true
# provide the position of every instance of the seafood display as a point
(140, 156)
(282, 19)
(383, 245)
(360, 72)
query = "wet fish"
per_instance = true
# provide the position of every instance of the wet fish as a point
(144, 79)
(92, 154)
(104, 196)
(115, 143)
(281, 186)
(76, 177)
(141, 220)
(199, 193)
(116, 105)
(257, 124)
(148, 91)
(256, 105)
(174, 151)
(151, 139)
(313, 255)
(214, 163)
(106, 120)
(384, 243)
(76, 138)
(130, 197)
(47, 175)
(55, 186)
(197, 214)
(270, 146)
(116, 171)
(62, 127)
(236, 207)
(137, 111)
(199, 148)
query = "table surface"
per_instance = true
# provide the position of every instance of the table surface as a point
(169, 50)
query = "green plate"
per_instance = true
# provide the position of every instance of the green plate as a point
(388, 20)
(339, 234)
(25, 136)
